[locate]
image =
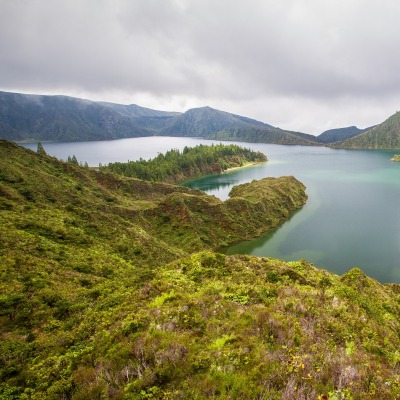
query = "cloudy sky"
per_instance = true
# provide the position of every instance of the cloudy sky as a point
(306, 65)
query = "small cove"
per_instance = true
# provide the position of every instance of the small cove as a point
(352, 216)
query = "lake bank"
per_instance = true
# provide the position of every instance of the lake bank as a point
(246, 165)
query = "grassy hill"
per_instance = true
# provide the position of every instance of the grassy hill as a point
(383, 136)
(110, 289)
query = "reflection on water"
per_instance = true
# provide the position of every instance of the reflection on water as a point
(205, 185)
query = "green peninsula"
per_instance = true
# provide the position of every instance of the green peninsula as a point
(193, 162)
(111, 289)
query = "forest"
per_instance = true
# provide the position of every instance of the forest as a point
(175, 166)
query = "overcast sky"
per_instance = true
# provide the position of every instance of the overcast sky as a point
(306, 65)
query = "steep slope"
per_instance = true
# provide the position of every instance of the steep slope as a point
(62, 118)
(383, 136)
(340, 134)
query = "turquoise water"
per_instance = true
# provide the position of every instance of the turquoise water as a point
(352, 216)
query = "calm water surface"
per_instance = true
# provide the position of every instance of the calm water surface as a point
(352, 216)
(122, 150)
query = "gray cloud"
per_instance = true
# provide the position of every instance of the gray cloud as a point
(299, 64)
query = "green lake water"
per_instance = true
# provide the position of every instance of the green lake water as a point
(352, 216)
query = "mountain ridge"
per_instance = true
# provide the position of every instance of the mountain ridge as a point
(64, 118)
(26, 117)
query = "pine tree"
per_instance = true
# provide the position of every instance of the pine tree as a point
(72, 160)
(40, 149)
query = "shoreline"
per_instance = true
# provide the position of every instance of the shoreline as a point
(250, 164)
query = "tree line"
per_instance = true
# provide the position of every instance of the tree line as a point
(177, 166)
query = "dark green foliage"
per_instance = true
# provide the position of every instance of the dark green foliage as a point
(72, 160)
(40, 149)
(175, 166)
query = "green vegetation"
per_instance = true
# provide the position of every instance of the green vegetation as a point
(193, 162)
(396, 158)
(265, 134)
(110, 289)
(383, 136)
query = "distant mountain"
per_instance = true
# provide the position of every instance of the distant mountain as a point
(204, 121)
(340, 134)
(62, 118)
(214, 124)
(265, 134)
(383, 136)
(26, 117)
(152, 120)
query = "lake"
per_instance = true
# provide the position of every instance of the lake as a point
(352, 216)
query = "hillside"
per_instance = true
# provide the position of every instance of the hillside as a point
(219, 125)
(262, 134)
(62, 118)
(101, 295)
(340, 134)
(200, 122)
(383, 136)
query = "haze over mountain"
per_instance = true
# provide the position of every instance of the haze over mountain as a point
(26, 117)
(61, 118)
